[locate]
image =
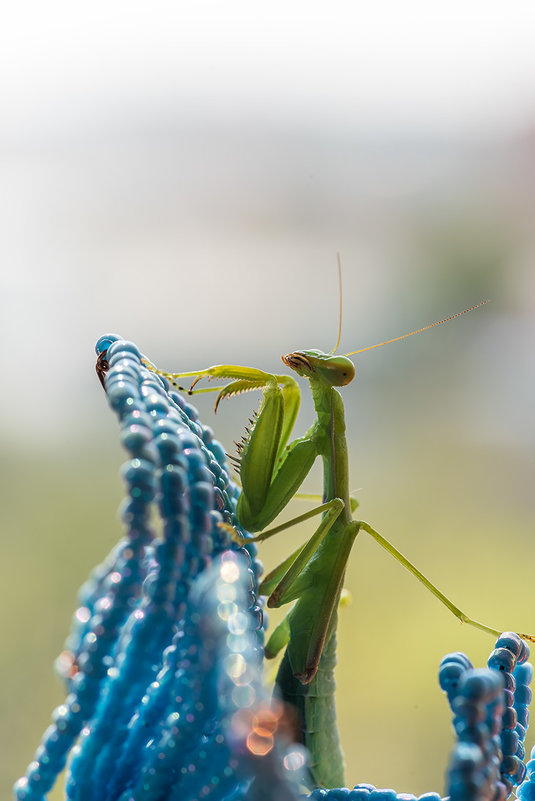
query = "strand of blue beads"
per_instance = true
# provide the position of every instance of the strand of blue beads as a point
(211, 769)
(92, 591)
(185, 499)
(473, 773)
(114, 611)
(120, 590)
(509, 656)
(523, 675)
(451, 670)
(368, 792)
(179, 450)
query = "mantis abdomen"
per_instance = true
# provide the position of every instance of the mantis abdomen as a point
(316, 710)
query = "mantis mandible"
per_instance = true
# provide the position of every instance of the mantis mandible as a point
(271, 470)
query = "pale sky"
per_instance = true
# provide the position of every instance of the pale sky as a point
(442, 66)
(105, 198)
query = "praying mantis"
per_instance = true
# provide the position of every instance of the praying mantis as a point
(272, 469)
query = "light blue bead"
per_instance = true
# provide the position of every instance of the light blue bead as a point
(104, 342)
(385, 794)
(510, 741)
(511, 641)
(123, 346)
(526, 791)
(502, 659)
(219, 452)
(524, 673)
(522, 695)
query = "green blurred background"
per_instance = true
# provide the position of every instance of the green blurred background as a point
(184, 176)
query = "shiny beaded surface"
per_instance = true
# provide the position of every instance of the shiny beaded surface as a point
(163, 664)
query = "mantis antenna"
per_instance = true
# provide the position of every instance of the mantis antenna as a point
(418, 330)
(340, 296)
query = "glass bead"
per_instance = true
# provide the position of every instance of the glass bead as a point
(449, 676)
(511, 641)
(386, 794)
(104, 342)
(509, 682)
(502, 659)
(219, 452)
(524, 653)
(177, 398)
(524, 673)
(510, 741)
(121, 395)
(135, 437)
(510, 718)
(526, 791)
(509, 764)
(191, 411)
(202, 494)
(123, 346)
(522, 695)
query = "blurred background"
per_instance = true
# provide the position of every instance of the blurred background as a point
(183, 174)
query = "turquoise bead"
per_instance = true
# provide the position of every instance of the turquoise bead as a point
(524, 673)
(104, 342)
(522, 695)
(502, 659)
(526, 791)
(530, 767)
(123, 346)
(512, 642)
(386, 794)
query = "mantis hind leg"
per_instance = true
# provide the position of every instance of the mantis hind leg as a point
(398, 556)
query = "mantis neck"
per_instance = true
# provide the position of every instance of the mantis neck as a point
(331, 437)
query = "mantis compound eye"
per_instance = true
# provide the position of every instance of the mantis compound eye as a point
(337, 370)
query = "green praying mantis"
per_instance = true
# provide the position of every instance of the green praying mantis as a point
(272, 469)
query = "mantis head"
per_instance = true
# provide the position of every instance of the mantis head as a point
(336, 371)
